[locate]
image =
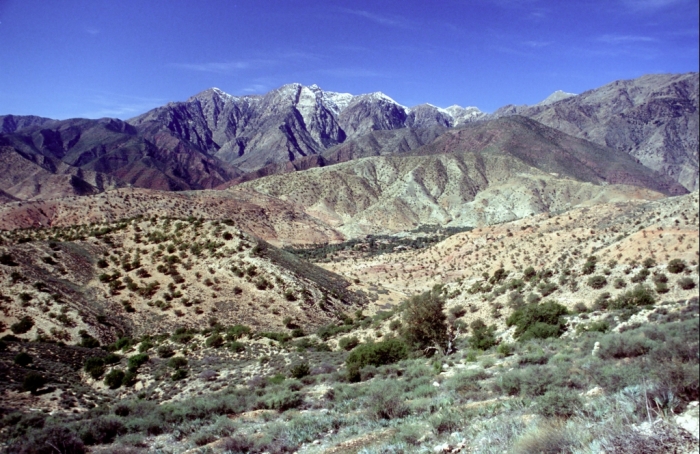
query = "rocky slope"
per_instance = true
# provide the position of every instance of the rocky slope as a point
(264, 217)
(148, 275)
(654, 118)
(476, 175)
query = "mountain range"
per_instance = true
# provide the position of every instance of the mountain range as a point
(213, 138)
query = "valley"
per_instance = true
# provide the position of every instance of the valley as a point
(311, 271)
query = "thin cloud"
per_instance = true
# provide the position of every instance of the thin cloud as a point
(625, 39)
(352, 72)
(106, 104)
(92, 31)
(387, 21)
(536, 44)
(650, 5)
(220, 67)
(255, 88)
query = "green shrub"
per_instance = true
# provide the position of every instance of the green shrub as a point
(676, 266)
(236, 346)
(23, 359)
(425, 323)
(179, 374)
(376, 354)
(214, 341)
(177, 362)
(661, 288)
(589, 266)
(137, 361)
(597, 281)
(237, 331)
(538, 321)
(33, 381)
(182, 336)
(23, 325)
(328, 331)
(95, 367)
(638, 296)
(600, 326)
(624, 345)
(279, 337)
(483, 337)
(561, 403)
(641, 276)
(114, 379)
(299, 370)
(619, 283)
(101, 430)
(529, 273)
(547, 288)
(504, 350)
(348, 343)
(686, 283)
(87, 341)
(282, 401)
(165, 351)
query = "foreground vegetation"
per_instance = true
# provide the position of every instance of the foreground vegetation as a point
(596, 389)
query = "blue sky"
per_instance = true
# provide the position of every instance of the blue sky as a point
(96, 58)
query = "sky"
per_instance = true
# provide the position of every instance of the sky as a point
(119, 58)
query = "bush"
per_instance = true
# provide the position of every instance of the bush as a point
(559, 403)
(49, 441)
(101, 430)
(95, 367)
(33, 381)
(589, 266)
(214, 341)
(624, 345)
(676, 266)
(547, 288)
(619, 283)
(348, 343)
(538, 321)
(236, 346)
(237, 331)
(114, 379)
(597, 282)
(282, 401)
(23, 325)
(87, 341)
(179, 374)
(165, 351)
(23, 359)
(137, 361)
(686, 283)
(300, 370)
(178, 362)
(638, 296)
(641, 276)
(388, 406)
(483, 337)
(649, 263)
(425, 323)
(376, 354)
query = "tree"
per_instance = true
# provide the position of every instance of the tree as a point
(425, 323)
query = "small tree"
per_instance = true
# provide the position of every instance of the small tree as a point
(676, 266)
(425, 323)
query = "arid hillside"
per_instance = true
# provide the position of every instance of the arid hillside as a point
(149, 275)
(477, 175)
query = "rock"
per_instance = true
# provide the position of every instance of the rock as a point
(690, 419)
(596, 347)
(436, 384)
(594, 392)
(442, 448)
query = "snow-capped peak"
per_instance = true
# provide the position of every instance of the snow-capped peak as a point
(554, 97)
